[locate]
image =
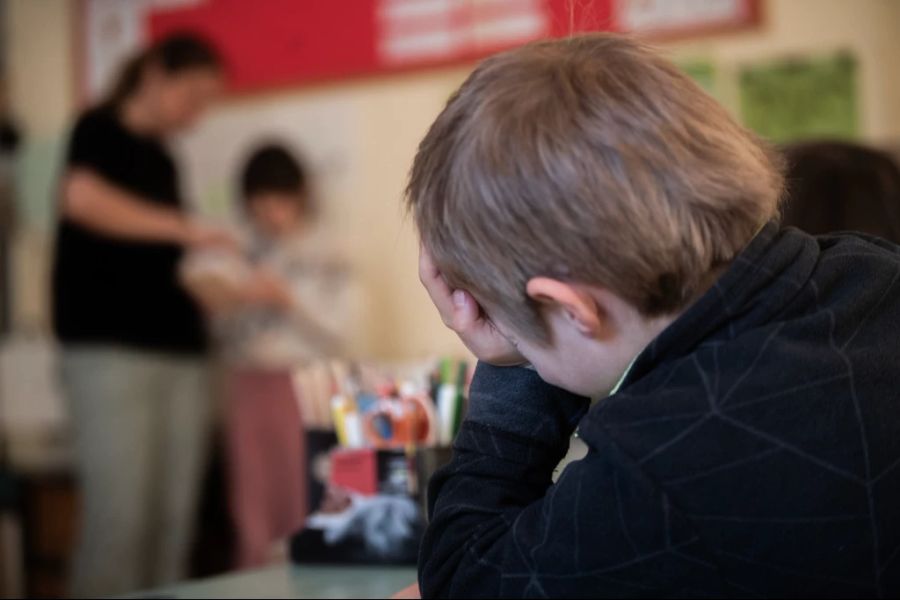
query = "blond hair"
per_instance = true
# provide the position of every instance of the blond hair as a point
(588, 159)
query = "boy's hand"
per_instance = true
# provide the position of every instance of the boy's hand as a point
(461, 313)
(412, 593)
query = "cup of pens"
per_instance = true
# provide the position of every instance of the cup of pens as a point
(403, 414)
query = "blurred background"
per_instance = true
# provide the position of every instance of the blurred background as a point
(349, 88)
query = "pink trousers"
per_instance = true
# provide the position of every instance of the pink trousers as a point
(266, 461)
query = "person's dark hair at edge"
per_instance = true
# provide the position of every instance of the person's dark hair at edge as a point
(838, 186)
(272, 168)
(174, 53)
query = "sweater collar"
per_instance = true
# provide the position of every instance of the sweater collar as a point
(760, 283)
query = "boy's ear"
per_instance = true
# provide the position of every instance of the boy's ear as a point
(579, 305)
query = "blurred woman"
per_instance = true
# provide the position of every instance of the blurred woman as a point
(132, 340)
(839, 186)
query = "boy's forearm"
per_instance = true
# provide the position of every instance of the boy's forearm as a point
(515, 433)
(516, 400)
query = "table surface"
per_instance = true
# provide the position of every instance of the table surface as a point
(294, 581)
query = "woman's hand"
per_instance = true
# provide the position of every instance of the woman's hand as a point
(198, 235)
(268, 289)
(462, 313)
(216, 296)
(408, 593)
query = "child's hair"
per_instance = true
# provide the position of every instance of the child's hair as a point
(588, 159)
(272, 168)
(174, 53)
(837, 186)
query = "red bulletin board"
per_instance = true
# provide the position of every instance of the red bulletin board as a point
(272, 43)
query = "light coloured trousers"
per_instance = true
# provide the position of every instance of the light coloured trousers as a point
(141, 424)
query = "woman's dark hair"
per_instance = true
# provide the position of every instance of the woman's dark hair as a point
(272, 168)
(838, 186)
(174, 53)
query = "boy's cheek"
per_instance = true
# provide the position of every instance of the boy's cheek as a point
(570, 362)
(557, 373)
(545, 361)
(573, 373)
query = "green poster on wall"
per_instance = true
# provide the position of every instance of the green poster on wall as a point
(794, 99)
(703, 72)
(36, 172)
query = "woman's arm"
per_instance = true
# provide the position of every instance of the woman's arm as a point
(94, 203)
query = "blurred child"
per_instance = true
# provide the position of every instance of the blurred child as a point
(282, 306)
(841, 186)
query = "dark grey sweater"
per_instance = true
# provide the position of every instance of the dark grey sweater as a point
(753, 450)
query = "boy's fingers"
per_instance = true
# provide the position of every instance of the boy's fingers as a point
(409, 592)
(436, 287)
(429, 274)
(465, 311)
(458, 308)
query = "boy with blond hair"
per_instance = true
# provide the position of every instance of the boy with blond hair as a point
(594, 226)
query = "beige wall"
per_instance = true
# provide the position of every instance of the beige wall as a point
(39, 58)
(869, 28)
(391, 114)
(40, 75)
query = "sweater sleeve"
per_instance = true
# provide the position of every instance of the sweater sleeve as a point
(499, 527)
